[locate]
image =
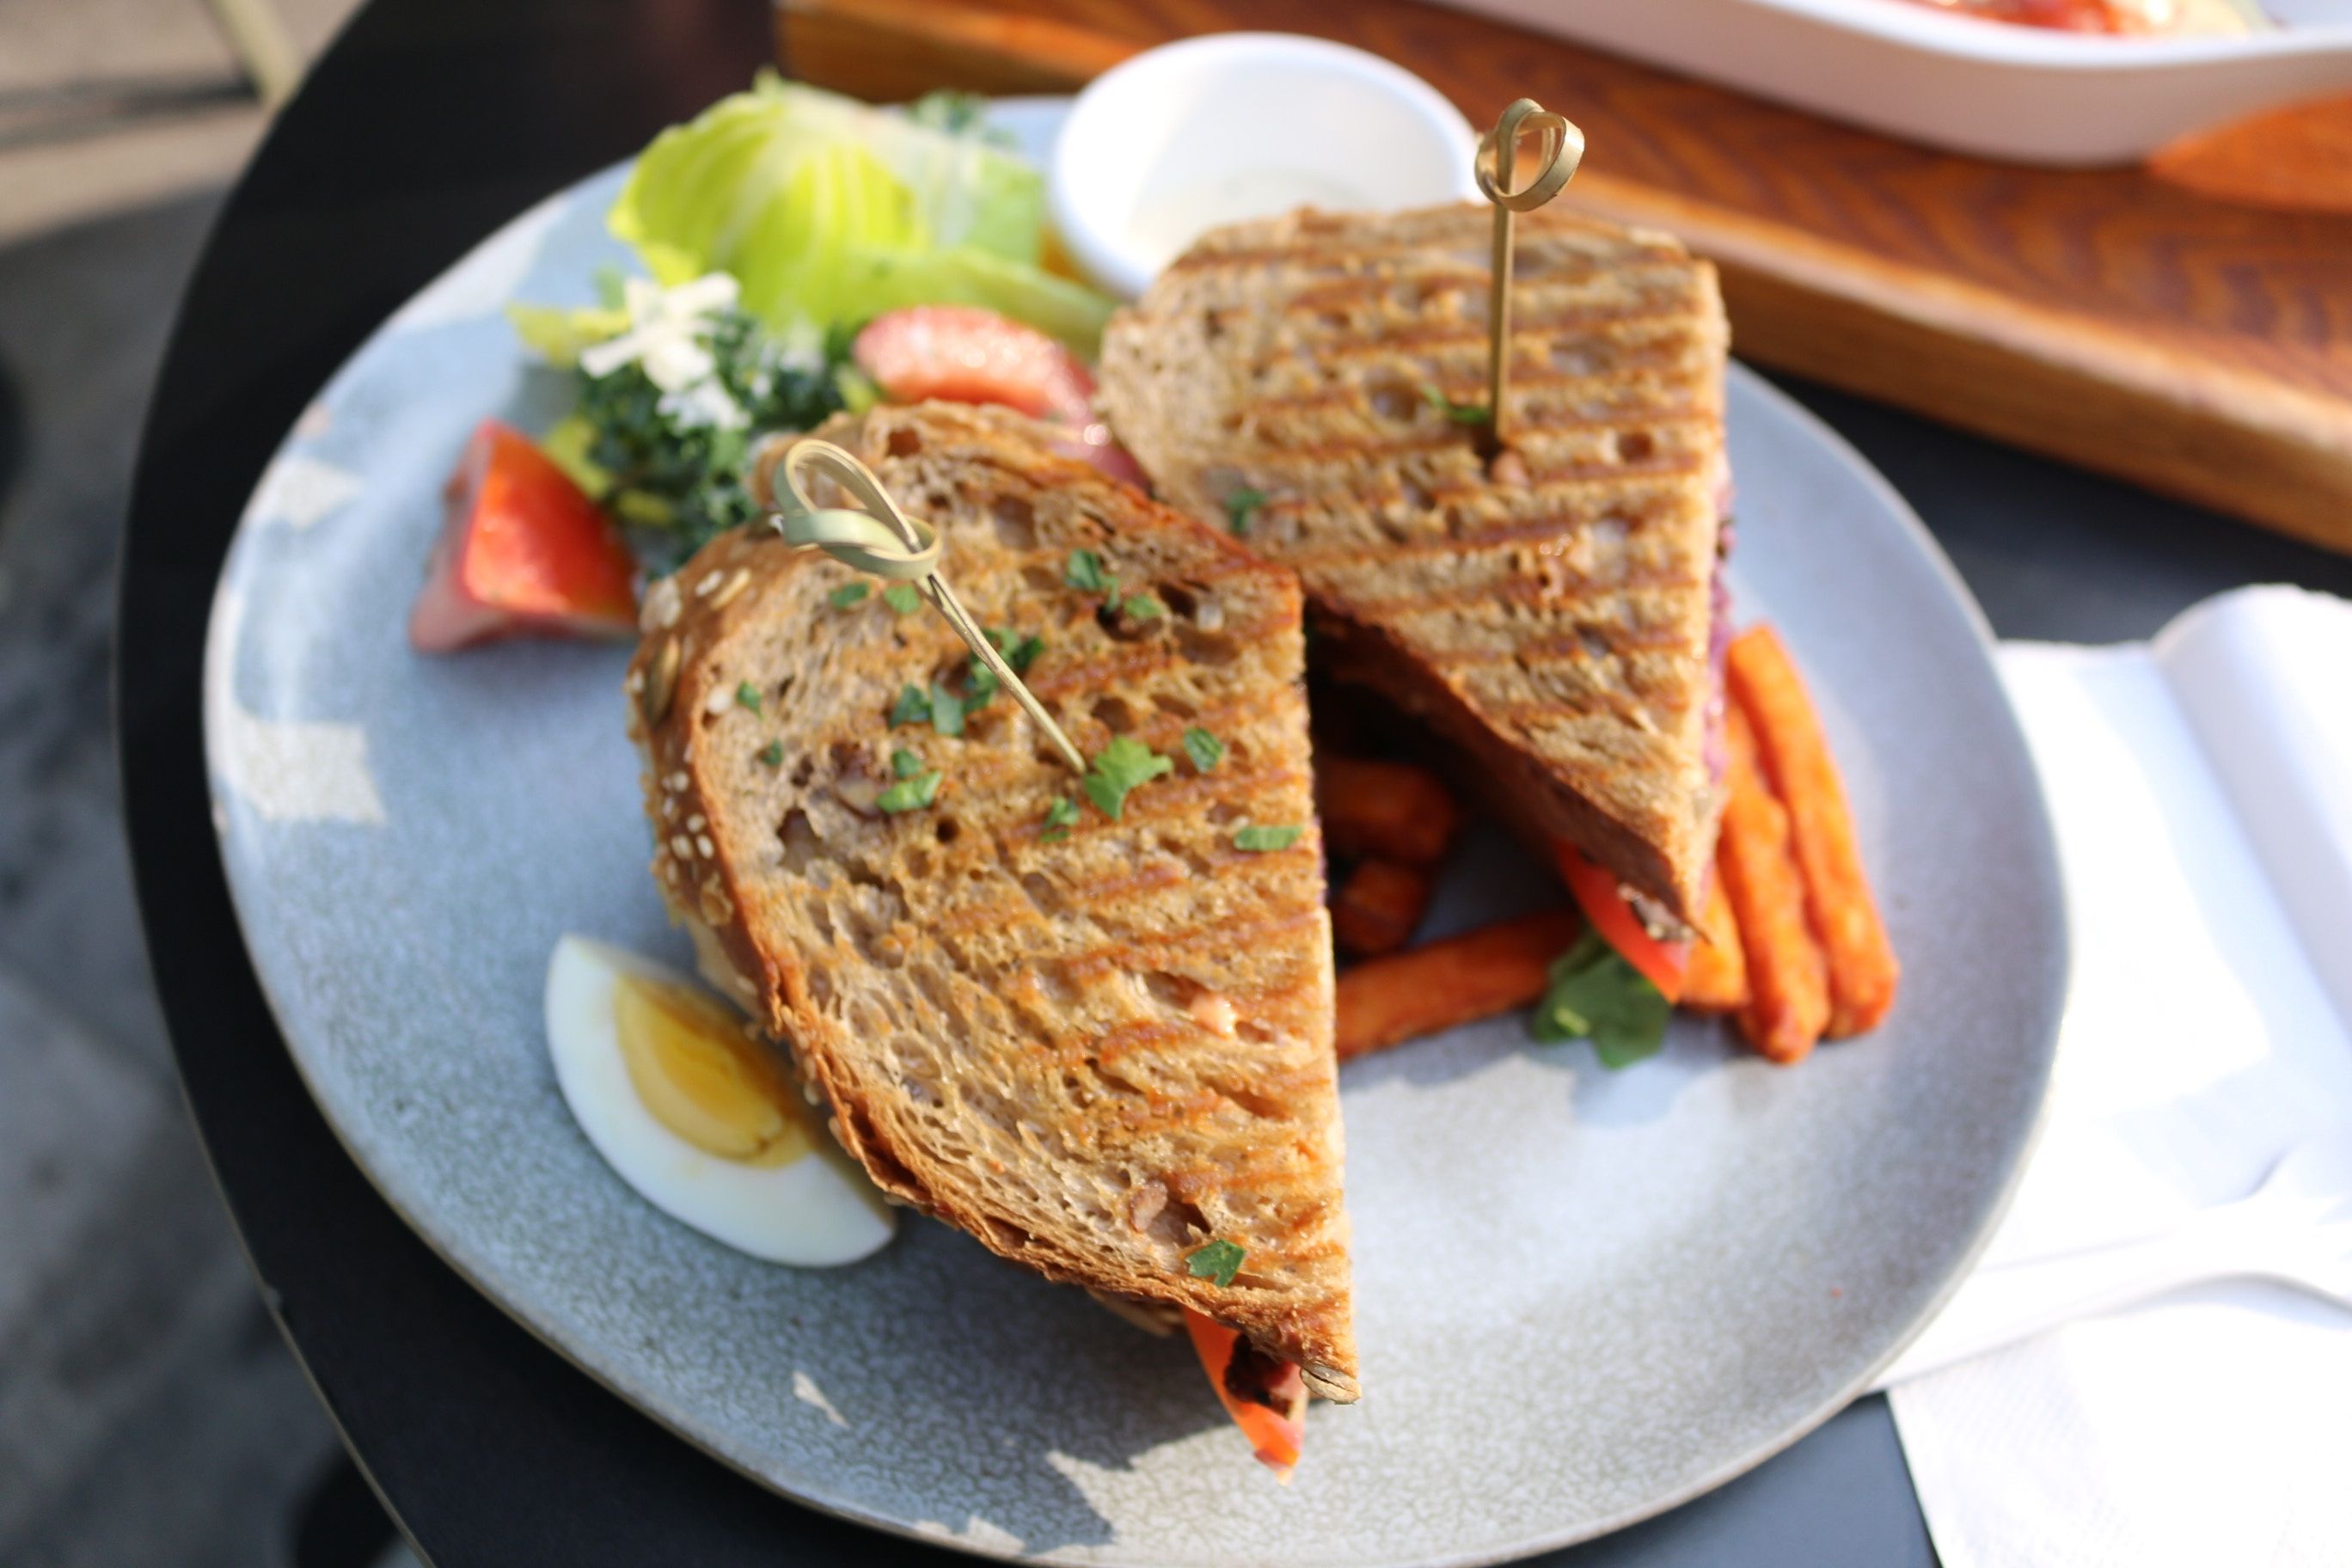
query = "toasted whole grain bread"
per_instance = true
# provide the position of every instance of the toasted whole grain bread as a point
(1548, 615)
(1096, 1049)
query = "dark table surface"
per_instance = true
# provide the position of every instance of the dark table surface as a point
(428, 124)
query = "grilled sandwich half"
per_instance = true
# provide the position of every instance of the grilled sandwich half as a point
(1098, 1044)
(1312, 383)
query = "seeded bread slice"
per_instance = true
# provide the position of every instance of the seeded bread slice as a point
(1549, 612)
(1096, 1048)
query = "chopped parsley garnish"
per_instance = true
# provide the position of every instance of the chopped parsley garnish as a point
(1595, 995)
(1460, 413)
(1240, 507)
(1217, 1262)
(979, 685)
(1260, 839)
(1143, 607)
(1205, 750)
(771, 755)
(747, 696)
(1120, 767)
(947, 710)
(912, 707)
(671, 462)
(905, 764)
(1022, 657)
(904, 598)
(1084, 572)
(1059, 816)
(1014, 650)
(911, 794)
(848, 593)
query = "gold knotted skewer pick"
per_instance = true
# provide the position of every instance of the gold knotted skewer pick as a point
(1495, 166)
(880, 540)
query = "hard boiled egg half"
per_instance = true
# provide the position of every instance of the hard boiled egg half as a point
(700, 1117)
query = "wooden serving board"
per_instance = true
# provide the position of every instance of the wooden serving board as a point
(2114, 318)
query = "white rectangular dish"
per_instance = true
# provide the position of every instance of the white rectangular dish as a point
(1997, 91)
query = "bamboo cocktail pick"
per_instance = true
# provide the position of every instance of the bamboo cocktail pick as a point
(1495, 166)
(880, 540)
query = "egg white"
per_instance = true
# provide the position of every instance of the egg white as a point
(819, 1211)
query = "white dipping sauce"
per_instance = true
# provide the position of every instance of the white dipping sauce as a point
(1233, 126)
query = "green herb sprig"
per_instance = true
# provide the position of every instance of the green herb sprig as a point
(1241, 510)
(947, 710)
(1123, 765)
(1595, 995)
(1459, 413)
(1216, 1262)
(911, 794)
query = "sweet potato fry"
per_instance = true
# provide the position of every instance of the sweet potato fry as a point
(1788, 980)
(1796, 761)
(1717, 980)
(1379, 907)
(1463, 978)
(1392, 811)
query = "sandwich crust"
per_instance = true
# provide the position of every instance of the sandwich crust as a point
(1097, 1048)
(1547, 612)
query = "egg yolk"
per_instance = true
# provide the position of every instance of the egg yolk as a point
(703, 1078)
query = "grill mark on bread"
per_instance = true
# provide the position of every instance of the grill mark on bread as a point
(1213, 259)
(1533, 532)
(1530, 387)
(1407, 283)
(1136, 664)
(1530, 331)
(1117, 957)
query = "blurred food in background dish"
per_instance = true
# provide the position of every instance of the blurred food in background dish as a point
(2129, 18)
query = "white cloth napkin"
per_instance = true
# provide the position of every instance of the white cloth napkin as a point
(2201, 789)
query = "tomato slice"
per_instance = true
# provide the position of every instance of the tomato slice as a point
(961, 353)
(522, 550)
(1662, 963)
(1275, 1430)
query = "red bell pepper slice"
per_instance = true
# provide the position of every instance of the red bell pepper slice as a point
(961, 353)
(1275, 1429)
(1661, 963)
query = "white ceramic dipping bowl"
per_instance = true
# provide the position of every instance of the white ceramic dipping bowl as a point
(1240, 126)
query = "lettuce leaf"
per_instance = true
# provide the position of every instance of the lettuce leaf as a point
(557, 333)
(1595, 995)
(830, 212)
(1071, 312)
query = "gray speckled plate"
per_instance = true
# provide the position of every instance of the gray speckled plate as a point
(1583, 1296)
